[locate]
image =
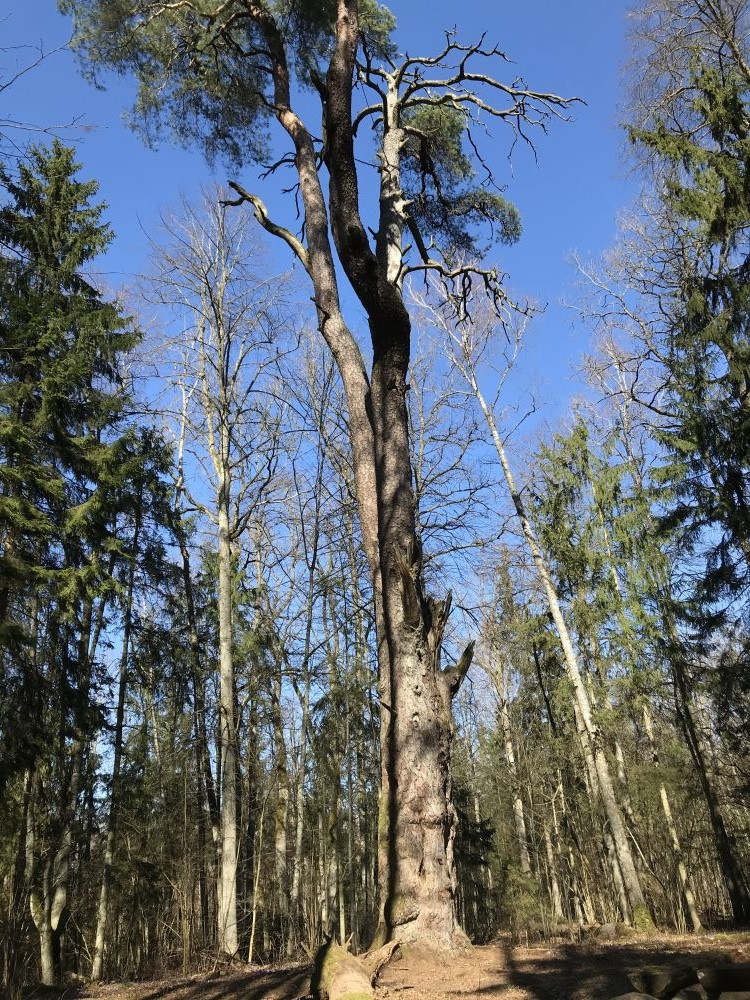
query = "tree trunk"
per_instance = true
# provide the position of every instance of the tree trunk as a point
(555, 894)
(422, 819)
(416, 863)
(228, 940)
(519, 819)
(48, 890)
(608, 841)
(339, 975)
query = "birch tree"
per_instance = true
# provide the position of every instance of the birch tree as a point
(468, 345)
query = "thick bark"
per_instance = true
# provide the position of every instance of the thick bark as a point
(421, 818)
(416, 862)
(340, 975)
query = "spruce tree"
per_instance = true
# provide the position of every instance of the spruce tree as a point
(65, 457)
(60, 400)
(705, 302)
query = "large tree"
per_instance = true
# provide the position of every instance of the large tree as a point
(218, 72)
(60, 400)
(65, 459)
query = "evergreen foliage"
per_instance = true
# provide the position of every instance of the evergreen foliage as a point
(61, 409)
(203, 70)
(89, 572)
(439, 182)
(706, 302)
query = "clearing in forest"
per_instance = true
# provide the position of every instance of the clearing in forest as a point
(559, 971)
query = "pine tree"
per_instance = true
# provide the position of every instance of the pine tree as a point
(219, 74)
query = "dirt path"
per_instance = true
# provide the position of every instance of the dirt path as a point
(562, 971)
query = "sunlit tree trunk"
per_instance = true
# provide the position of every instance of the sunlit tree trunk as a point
(462, 353)
(555, 894)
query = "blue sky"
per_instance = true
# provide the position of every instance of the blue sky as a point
(569, 198)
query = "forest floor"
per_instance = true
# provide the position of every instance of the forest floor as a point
(591, 970)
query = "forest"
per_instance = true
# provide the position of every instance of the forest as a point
(297, 641)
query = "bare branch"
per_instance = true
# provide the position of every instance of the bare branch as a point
(261, 214)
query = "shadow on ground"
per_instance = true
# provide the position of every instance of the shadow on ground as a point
(555, 971)
(285, 983)
(591, 972)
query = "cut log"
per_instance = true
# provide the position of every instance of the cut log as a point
(339, 975)
(376, 959)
